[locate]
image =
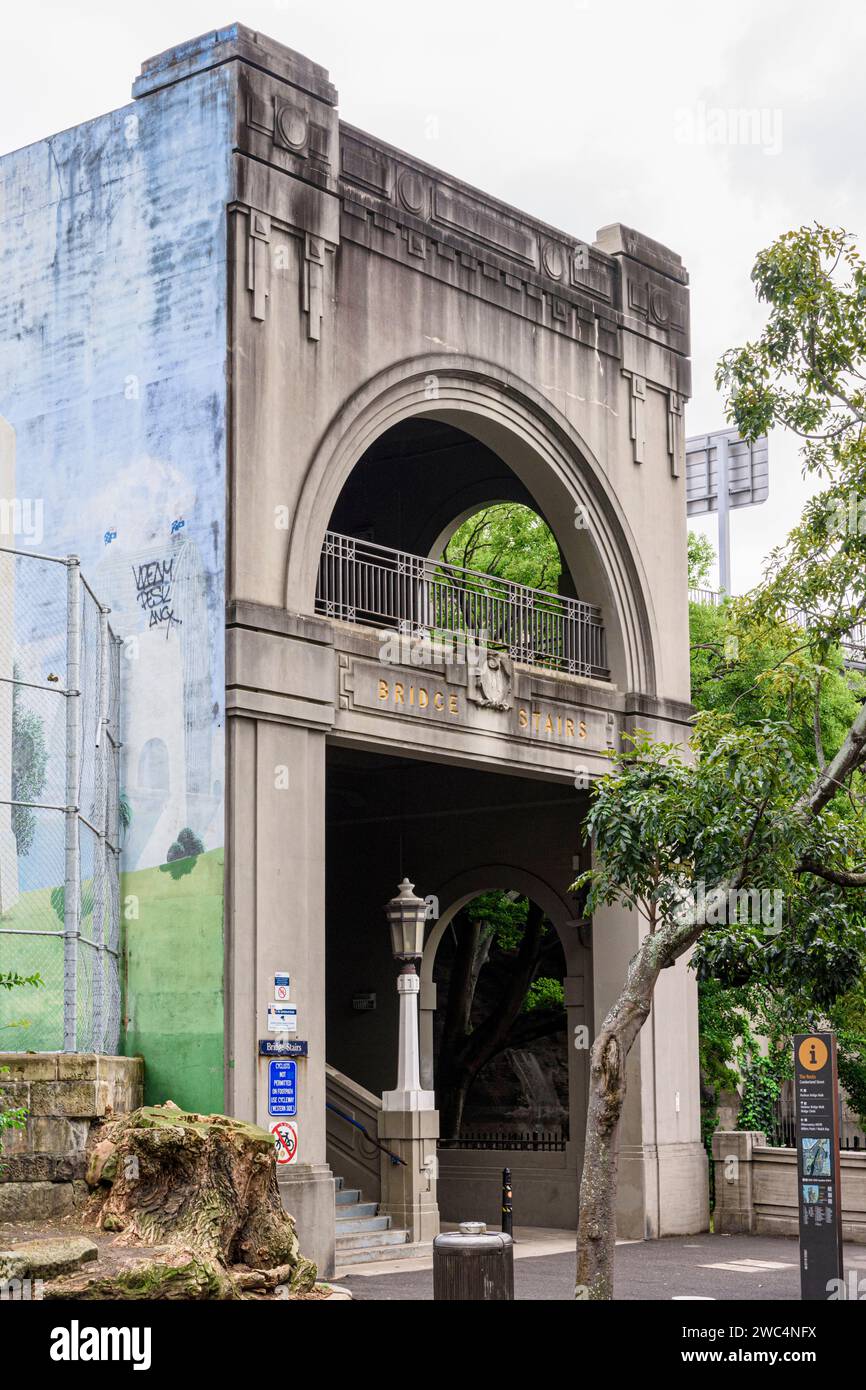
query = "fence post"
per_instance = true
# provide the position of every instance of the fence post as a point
(114, 750)
(734, 1160)
(72, 867)
(101, 895)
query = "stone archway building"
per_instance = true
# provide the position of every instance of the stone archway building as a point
(378, 315)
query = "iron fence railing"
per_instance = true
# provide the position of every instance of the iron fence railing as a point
(534, 1141)
(707, 598)
(782, 1134)
(59, 808)
(360, 582)
(853, 644)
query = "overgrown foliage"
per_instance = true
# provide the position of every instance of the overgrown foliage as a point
(751, 813)
(701, 558)
(508, 936)
(14, 1116)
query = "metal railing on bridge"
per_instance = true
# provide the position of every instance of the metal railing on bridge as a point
(853, 645)
(360, 582)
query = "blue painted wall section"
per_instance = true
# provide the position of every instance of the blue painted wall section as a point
(112, 373)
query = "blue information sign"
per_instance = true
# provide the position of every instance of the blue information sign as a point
(282, 1088)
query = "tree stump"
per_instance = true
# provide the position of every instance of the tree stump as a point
(204, 1189)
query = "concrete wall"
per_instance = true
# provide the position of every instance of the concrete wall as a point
(112, 373)
(756, 1187)
(545, 1187)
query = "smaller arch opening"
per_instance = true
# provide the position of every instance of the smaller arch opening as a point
(499, 1033)
(510, 541)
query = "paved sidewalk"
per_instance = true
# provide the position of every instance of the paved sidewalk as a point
(704, 1266)
(530, 1240)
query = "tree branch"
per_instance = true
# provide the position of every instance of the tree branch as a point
(843, 878)
(829, 778)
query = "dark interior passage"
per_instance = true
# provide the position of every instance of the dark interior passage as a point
(455, 832)
(417, 480)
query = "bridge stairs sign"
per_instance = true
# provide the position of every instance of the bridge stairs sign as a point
(819, 1188)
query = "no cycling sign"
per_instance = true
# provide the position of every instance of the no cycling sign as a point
(285, 1134)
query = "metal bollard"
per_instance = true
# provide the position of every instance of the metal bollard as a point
(507, 1203)
(473, 1265)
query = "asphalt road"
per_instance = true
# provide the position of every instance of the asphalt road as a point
(718, 1267)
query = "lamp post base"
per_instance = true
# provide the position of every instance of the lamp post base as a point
(409, 1188)
(408, 1100)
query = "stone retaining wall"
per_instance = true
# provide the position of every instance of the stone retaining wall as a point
(756, 1187)
(42, 1166)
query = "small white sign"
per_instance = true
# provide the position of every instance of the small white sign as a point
(282, 1018)
(282, 986)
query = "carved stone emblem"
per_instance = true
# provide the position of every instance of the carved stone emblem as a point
(491, 684)
(291, 126)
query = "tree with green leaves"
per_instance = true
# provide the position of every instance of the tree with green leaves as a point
(741, 811)
(701, 557)
(510, 541)
(736, 669)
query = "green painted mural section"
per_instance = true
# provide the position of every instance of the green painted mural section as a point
(31, 1018)
(173, 987)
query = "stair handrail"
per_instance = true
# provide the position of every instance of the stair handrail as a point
(395, 1158)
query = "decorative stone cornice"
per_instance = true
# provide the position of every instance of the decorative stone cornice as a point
(624, 286)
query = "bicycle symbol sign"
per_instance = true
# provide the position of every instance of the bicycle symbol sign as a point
(285, 1141)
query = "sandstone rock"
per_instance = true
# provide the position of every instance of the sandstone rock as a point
(102, 1163)
(27, 1167)
(35, 1201)
(46, 1259)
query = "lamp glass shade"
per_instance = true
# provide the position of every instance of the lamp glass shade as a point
(406, 915)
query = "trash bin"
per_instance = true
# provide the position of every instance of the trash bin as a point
(473, 1264)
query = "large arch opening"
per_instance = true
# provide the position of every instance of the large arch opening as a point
(464, 837)
(424, 445)
(434, 533)
(420, 482)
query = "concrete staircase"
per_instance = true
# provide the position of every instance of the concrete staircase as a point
(364, 1235)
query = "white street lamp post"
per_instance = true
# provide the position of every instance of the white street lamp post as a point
(406, 916)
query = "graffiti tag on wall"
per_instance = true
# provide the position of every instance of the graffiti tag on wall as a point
(153, 588)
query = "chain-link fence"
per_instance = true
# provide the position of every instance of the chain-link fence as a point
(59, 808)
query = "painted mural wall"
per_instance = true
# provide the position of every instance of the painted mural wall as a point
(112, 376)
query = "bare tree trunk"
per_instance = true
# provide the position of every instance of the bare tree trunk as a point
(596, 1233)
(453, 1104)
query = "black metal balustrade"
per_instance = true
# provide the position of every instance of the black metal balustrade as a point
(528, 1141)
(782, 1132)
(360, 582)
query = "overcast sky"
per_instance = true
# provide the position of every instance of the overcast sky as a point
(579, 111)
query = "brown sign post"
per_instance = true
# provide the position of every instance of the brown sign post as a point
(819, 1189)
